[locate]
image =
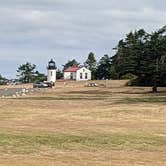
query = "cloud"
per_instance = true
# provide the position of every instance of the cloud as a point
(64, 29)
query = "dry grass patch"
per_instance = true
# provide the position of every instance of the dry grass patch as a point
(117, 126)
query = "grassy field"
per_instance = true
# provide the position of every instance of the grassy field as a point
(73, 125)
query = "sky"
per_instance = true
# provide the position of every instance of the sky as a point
(37, 30)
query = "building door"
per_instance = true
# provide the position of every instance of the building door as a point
(71, 76)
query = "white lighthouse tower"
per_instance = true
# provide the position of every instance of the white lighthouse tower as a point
(51, 69)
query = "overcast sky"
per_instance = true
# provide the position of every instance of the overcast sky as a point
(37, 30)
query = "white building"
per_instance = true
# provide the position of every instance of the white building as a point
(77, 73)
(51, 71)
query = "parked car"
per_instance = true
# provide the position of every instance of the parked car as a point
(40, 85)
(50, 84)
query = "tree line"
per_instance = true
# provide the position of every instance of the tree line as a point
(100, 69)
(140, 57)
(27, 73)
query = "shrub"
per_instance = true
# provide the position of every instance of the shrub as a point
(129, 76)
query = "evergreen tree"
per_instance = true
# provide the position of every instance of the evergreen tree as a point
(128, 53)
(104, 68)
(26, 72)
(39, 77)
(90, 63)
(155, 66)
(143, 55)
(59, 74)
(3, 80)
(70, 63)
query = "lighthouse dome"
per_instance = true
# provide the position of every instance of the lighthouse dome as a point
(51, 65)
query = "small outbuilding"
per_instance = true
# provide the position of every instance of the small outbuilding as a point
(77, 73)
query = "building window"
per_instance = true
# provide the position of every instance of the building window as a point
(80, 75)
(86, 75)
(51, 73)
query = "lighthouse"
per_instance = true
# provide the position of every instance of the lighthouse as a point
(51, 69)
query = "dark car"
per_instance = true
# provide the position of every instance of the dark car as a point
(40, 85)
(50, 84)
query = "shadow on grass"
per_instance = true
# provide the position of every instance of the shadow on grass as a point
(143, 92)
(61, 98)
(90, 92)
(100, 92)
(142, 100)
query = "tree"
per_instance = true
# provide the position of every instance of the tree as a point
(143, 55)
(70, 63)
(3, 80)
(59, 74)
(26, 72)
(157, 61)
(90, 63)
(104, 68)
(39, 77)
(129, 51)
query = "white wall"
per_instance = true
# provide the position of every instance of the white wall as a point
(83, 70)
(67, 75)
(51, 76)
(76, 75)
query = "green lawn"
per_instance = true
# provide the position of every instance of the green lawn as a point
(29, 143)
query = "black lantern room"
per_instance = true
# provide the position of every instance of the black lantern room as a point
(51, 65)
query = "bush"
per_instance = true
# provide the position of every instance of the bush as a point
(3, 82)
(146, 81)
(129, 76)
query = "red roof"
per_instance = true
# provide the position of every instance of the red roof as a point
(72, 69)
